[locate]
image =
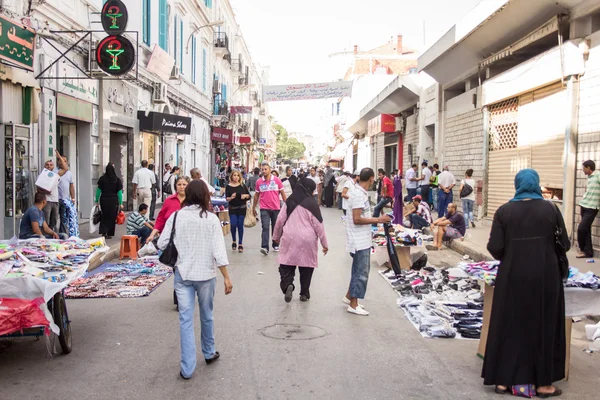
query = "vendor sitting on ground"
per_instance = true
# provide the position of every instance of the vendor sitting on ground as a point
(138, 224)
(421, 217)
(450, 227)
(33, 224)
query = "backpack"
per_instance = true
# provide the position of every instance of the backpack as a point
(167, 186)
(466, 190)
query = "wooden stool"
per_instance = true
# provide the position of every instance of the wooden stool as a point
(130, 246)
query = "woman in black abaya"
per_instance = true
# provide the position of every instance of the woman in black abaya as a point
(329, 185)
(109, 195)
(526, 340)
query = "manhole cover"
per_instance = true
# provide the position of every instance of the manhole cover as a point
(293, 332)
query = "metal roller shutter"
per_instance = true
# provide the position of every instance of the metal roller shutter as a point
(503, 166)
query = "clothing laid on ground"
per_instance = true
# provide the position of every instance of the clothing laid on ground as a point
(33, 214)
(298, 235)
(110, 195)
(526, 340)
(269, 193)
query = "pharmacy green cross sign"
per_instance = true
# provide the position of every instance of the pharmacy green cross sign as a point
(17, 43)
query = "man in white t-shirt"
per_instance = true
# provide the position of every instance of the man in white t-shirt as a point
(411, 181)
(446, 183)
(51, 209)
(339, 188)
(143, 181)
(359, 240)
(424, 181)
(347, 190)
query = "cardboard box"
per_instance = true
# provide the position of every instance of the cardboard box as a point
(224, 216)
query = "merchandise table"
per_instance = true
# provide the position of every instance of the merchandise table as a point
(33, 276)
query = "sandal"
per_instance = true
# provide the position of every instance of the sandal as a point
(502, 391)
(234, 246)
(557, 392)
(241, 248)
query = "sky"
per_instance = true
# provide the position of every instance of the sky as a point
(295, 39)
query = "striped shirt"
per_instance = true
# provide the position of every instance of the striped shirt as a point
(358, 237)
(591, 198)
(135, 222)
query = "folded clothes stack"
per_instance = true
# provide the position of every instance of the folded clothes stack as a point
(440, 303)
(588, 280)
(486, 270)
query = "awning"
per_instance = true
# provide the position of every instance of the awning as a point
(399, 95)
(18, 76)
(164, 123)
(339, 153)
(32, 106)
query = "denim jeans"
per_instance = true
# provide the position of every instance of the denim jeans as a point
(382, 203)
(340, 199)
(237, 226)
(143, 233)
(418, 222)
(61, 236)
(467, 206)
(411, 193)
(434, 196)
(268, 218)
(186, 296)
(361, 265)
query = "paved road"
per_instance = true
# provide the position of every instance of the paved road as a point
(129, 348)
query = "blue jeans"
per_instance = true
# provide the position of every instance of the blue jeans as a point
(434, 196)
(143, 233)
(61, 236)
(411, 193)
(186, 296)
(340, 200)
(237, 226)
(443, 200)
(361, 265)
(418, 222)
(268, 218)
(467, 206)
(382, 203)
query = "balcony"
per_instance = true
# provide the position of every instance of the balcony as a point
(220, 108)
(243, 80)
(221, 42)
(238, 65)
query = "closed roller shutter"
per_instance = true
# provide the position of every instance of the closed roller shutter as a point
(503, 166)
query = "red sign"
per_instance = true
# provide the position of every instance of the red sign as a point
(221, 135)
(240, 109)
(383, 123)
(245, 140)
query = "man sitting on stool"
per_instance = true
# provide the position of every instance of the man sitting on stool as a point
(33, 224)
(138, 224)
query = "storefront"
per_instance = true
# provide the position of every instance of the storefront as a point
(384, 142)
(222, 152)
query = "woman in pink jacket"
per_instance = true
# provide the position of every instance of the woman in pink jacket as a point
(299, 228)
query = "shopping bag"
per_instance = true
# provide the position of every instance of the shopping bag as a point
(250, 220)
(47, 182)
(95, 216)
(120, 218)
(148, 250)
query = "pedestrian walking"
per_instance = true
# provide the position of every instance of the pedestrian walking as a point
(196, 271)
(315, 177)
(51, 205)
(387, 193)
(348, 189)
(268, 190)
(446, 183)
(526, 342)
(237, 194)
(398, 208)
(155, 193)
(411, 181)
(588, 206)
(298, 230)
(329, 187)
(320, 191)
(289, 182)
(450, 227)
(143, 180)
(359, 241)
(171, 182)
(467, 197)
(196, 175)
(339, 188)
(109, 196)
(424, 181)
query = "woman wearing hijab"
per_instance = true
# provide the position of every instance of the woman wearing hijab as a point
(398, 201)
(329, 184)
(526, 342)
(109, 195)
(298, 229)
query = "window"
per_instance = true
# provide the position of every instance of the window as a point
(208, 3)
(163, 25)
(204, 70)
(194, 59)
(146, 21)
(181, 45)
(175, 38)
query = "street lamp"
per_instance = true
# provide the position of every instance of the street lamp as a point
(216, 23)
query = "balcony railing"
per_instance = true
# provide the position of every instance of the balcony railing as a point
(220, 107)
(221, 41)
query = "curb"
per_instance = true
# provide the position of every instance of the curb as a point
(462, 248)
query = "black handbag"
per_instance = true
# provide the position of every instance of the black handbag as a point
(559, 247)
(170, 254)
(97, 216)
(466, 190)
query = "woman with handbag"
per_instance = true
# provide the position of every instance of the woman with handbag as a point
(467, 197)
(237, 195)
(109, 196)
(196, 270)
(526, 343)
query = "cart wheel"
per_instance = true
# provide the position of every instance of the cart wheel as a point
(62, 320)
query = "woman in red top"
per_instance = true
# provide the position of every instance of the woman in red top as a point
(171, 204)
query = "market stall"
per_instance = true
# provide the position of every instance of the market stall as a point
(33, 276)
(220, 207)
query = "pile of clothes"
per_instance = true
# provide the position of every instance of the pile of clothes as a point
(124, 279)
(578, 279)
(440, 303)
(485, 270)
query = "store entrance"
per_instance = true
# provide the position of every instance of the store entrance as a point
(391, 159)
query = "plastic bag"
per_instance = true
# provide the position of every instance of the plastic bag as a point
(95, 217)
(250, 220)
(47, 182)
(120, 218)
(148, 250)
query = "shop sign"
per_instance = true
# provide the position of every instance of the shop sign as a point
(115, 55)
(114, 17)
(161, 63)
(262, 141)
(70, 107)
(83, 89)
(120, 97)
(244, 140)
(240, 109)
(17, 43)
(161, 122)
(221, 135)
(48, 125)
(383, 123)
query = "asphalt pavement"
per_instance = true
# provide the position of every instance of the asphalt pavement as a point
(129, 348)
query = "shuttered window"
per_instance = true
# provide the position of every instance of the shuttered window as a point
(163, 26)
(146, 21)
(193, 59)
(204, 66)
(181, 65)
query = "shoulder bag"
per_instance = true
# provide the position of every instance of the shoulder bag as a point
(466, 190)
(561, 251)
(170, 254)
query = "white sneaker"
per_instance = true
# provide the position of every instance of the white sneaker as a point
(358, 311)
(347, 302)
